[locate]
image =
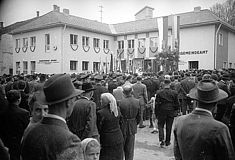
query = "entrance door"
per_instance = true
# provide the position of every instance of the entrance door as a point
(193, 65)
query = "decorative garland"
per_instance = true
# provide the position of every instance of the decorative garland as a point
(106, 50)
(139, 49)
(153, 51)
(74, 45)
(96, 49)
(86, 48)
(17, 50)
(32, 48)
(129, 50)
(24, 49)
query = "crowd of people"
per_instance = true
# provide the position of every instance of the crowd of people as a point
(96, 116)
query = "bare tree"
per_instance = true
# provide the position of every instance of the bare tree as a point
(225, 11)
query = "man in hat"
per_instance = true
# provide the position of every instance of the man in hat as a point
(166, 108)
(130, 110)
(140, 92)
(198, 135)
(222, 105)
(99, 89)
(82, 121)
(51, 138)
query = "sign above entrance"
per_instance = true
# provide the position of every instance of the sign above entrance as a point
(193, 52)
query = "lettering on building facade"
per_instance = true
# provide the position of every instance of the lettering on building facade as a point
(193, 52)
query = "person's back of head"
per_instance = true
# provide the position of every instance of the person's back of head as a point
(127, 90)
(21, 85)
(42, 78)
(13, 96)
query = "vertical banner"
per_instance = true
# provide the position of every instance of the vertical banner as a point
(165, 33)
(162, 23)
(175, 33)
(111, 62)
(160, 32)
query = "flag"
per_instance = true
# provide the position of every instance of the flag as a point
(163, 32)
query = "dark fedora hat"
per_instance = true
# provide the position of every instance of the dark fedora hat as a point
(58, 88)
(207, 91)
(87, 87)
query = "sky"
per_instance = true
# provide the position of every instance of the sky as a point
(113, 11)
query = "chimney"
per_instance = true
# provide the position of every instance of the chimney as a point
(197, 9)
(56, 8)
(66, 11)
(1, 25)
(37, 13)
(145, 13)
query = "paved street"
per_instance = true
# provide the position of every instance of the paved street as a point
(147, 146)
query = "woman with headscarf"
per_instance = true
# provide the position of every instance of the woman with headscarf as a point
(108, 123)
(90, 148)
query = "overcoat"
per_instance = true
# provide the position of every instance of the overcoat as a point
(199, 136)
(51, 139)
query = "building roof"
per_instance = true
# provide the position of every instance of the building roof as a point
(11, 27)
(55, 18)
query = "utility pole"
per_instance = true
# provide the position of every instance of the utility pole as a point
(101, 12)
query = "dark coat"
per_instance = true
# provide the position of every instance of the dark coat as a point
(51, 139)
(130, 110)
(12, 125)
(82, 121)
(199, 136)
(185, 86)
(140, 92)
(167, 99)
(99, 89)
(109, 127)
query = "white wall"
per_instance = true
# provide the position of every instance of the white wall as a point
(231, 49)
(39, 53)
(197, 39)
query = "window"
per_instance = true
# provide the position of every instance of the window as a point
(85, 41)
(96, 67)
(220, 39)
(17, 43)
(47, 42)
(230, 65)
(73, 39)
(120, 44)
(33, 67)
(25, 42)
(32, 41)
(131, 43)
(25, 67)
(141, 43)
(85, 65)
(96, 43)
(153, 42)
(17, 67)
(106, 44)
(73, 65)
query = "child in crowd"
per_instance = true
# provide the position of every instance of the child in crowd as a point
(91, 149)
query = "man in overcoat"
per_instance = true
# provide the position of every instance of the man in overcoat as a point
(51, 139)
(166, 108)
(13, 123)
(198, 135)
(82, 121)
(140, 92)
(130, 110)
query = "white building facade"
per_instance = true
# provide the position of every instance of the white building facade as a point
(61, 43)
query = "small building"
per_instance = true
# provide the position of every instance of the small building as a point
(58, 42)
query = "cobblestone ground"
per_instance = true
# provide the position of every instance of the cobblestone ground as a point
(147, 146)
